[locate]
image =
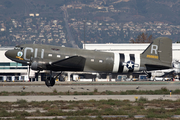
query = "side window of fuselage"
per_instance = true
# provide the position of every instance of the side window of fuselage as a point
(66, 56)
(100, 61)
(92, 60)
(58, 56)
(49, 55)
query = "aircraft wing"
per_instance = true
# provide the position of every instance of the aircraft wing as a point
(74, 63)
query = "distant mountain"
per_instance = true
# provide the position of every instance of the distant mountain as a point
(150, 10)
(130, 10)
(107, 21)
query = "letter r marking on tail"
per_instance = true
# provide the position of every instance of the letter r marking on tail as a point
(154, 48)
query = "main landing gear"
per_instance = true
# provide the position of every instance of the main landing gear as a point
(148, 74)
(50, 81)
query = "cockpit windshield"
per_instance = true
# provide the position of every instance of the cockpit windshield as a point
(18, 48)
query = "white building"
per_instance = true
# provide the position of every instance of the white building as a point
(12, 70)
(8, 66)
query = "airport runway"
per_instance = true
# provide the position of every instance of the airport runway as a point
(88, 87)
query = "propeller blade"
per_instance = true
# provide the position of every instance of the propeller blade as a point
(29, 68)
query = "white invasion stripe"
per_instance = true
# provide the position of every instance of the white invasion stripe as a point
(137, 61)
(126, 59)
(35, 54)
(42, 53)
(116, 63)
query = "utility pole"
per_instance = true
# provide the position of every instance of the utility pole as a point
(84, 32)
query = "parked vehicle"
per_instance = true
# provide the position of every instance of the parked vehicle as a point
(168, 79)
(163, 79)
(142, 77)
(176, 78)
(121, 78)
(129, 79)
(159, 79)
(135, 79)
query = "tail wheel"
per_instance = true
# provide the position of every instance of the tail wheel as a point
(50, 81)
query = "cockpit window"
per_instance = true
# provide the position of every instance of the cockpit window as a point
(18, 48)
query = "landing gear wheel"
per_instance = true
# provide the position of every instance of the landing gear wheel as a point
(149, 75)
(50, 81)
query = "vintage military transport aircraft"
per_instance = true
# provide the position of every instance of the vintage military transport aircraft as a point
(157, 56)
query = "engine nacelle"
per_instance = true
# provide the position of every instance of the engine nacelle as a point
(37, 65)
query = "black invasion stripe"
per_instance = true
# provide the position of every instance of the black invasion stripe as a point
(121, 67)
(132, 58)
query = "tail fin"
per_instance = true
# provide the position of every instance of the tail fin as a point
(158, 54)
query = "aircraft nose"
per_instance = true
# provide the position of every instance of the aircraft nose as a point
(10, 54)
(7, 53)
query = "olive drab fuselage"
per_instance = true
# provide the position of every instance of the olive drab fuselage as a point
(158, 55)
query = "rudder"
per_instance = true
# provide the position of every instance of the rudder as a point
(158, 53)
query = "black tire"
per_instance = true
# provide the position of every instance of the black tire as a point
(47, 82)
(50, 82)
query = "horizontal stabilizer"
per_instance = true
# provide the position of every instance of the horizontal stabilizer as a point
(75, 63)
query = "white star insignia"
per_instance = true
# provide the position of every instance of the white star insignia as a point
(130, 65)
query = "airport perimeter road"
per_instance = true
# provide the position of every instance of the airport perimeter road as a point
(86, 97)
(86, 86)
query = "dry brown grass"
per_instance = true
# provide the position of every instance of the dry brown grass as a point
(153, 109)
